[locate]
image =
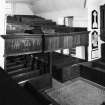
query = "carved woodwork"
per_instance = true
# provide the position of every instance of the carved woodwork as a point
(28, 44)
(65, 40)
(22, 44)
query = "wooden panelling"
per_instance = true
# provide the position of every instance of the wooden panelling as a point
(65, 40)
(27, 44)
(20, 44)
(102, 22)
(12, 94)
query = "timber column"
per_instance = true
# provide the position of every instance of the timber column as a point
(2, 31)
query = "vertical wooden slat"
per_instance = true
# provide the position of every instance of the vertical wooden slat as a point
(50, 59)
(86, 52)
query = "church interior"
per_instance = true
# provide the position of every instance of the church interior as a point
(52, 52)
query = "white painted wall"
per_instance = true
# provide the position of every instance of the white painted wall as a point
(80, 52)
(80, 16)
(101, 2)
(23, 8)
(2, 31)
(18, 8)
(44, 6)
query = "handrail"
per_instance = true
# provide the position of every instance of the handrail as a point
(57, 34)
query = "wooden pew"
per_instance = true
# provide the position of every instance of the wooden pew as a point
(12, 94)
(88, 71)
(11, 62)
(15, 63)
(19, 71)
(36, 86)
(41, 82)
(64, 67)
(21, 18)
(43, 41)
(15, 67)
(36, 21)
(25, 76)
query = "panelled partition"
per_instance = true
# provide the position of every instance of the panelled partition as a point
(33, 45)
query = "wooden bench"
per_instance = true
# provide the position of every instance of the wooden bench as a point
(62, 66)
(26, 76)
(19, 71)
(37, 85)
(12, 94)
(41, 82)
(91, 73)
(15, 67)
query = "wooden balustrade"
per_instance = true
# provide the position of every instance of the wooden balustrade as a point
(22, 44)
(34, 43)
(65, 40)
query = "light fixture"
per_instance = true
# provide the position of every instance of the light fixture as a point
(85, 1)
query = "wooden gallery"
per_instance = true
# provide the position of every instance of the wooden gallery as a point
(52, 52)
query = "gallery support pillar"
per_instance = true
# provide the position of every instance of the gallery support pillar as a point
(94, 48)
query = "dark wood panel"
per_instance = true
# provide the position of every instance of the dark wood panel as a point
(27, 44)
(22, 44)
(26, 76)
(65, 40)
(103, 52)
(64, 67)
(102, 22)
(41, 82)
(94, 74)
(12, 94)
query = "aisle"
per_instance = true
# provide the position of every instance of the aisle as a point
(77, 92)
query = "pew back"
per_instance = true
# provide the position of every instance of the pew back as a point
(12, 94)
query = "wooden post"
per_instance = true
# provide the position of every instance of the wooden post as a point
(43, 43)
(86, 52)
(32, 61)
(50, 62)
